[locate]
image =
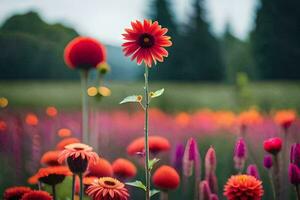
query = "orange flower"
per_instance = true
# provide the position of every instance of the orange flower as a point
(146, 42)
(33, 180)
(107, 188)
(61, 145)
(51, 111)
(84, 53)
(78, 156)
(15, 193)
(53, 175)
(166, 178)
(31, 119)
(249, 117)
(89, 180)
(64, 132)
(50, 158)
(124, 168)
(3, 126)
(99, 169)
(244, 187)
(285, 118)
(37, 195)
(183, 119)
(224, 119)
(156, 145)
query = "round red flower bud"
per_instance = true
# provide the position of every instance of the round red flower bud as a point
(166, 178)
(84, 53)
(102, 168)
(13, 193)
(273, 145)
(37, 195)
(123, 168)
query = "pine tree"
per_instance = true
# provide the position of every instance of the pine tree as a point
(276, 39)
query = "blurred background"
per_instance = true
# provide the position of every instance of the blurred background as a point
(226, 55)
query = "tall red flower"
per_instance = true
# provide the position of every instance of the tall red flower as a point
(37, 195)
(156, 145)
(123, 168)
(84, 53)
(244, 187)
(50, 158)
(15, 193)
(166, 178)
(145, 41)
(101, 168)
(273, 145)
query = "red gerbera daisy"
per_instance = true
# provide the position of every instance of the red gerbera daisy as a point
(243, 187)
(78, 156)
(50, 158)
(123, 168)
(166, 178)
(101, 168)
(15, 193)
(156, 145)
(53, 175)
(61, 145)
(146, 42)
(84, 53)
(107, 188)
(37, 195)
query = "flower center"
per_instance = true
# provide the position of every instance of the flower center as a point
(110, 183)
(146, 40)
(79, 148)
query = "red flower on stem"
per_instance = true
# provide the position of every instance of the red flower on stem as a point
(166, 178)
(37, 195)
(15, 193)
(273, 145)
(156, 145)
(124, 168)
(146, 42)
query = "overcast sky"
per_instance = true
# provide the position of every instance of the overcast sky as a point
(106, 19)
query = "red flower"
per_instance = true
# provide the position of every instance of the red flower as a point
(64, 132)
(84, 53)
(146, 42)
(285, 118)
(37, 195)
(15, 193)
(50, 158)
(123, 168)
(61, 145)
(244, 187)
(53, 175)
(51, 111)
(273, 145)
(31, 119)
(156, 145)
(99, 169)
(166, 178)
(33, 180)
(107, 188)
(3, 126)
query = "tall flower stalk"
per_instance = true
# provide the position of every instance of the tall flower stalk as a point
(85, 110)
(145, 41)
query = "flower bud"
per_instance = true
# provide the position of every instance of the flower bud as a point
(212, 180)
(253, 171)
(213, 197)
(178, 156)
(295, 154)
(268, 161)
(191, 158)
(240, 154)
(273, 145)
(204, 191)
(294, 174)
(210, 161)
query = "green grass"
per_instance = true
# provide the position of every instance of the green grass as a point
(178, 96)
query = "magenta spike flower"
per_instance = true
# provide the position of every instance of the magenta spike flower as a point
(253, 171)
(178, 156)
(213, 197)
(212, 180)
(210, 160)
(204, 190)
(294, 174)
(295, 154)
(191, 158)
(268, 161)
(240, 154)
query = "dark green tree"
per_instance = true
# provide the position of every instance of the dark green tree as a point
(276, 39)
(200, 49)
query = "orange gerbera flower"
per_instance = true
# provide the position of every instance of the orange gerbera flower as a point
(61, 145)
(285, 118)
(15, 193)
(249, 117)
(99, 169)
(78, 156)
(37, 195)
(124, 168)
(166, 178)
(51, 111)
(107, 188)
(89, 180)
(31, 119)
(50, 158)
(244, 187)
(33, 180)
(156, 145)
(146, 42)
(53, 175)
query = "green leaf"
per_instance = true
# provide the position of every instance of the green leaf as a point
(131, 99)
(137, 184)
(154, 192)
(157, 93)
(152, 162)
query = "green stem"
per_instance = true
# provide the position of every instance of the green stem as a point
(298, 192)
(81, 186)
(73, 186)
(54, 192)
(164, 195)
(147, 171)
(276, 176)
(85, 112)
(272, 185)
